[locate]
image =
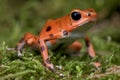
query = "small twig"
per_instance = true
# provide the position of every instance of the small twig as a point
(109, 71)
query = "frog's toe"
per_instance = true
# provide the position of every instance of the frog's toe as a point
(60, 74)
(97, 65)
(10, 49)
(59, 67)
(19, 54)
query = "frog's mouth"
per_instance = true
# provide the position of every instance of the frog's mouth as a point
(84, 27)
(80, 31)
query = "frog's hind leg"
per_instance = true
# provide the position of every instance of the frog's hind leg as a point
(18, 47)
(28, 39)
(74, 48)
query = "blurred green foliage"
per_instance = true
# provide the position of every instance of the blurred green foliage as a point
(20, 16)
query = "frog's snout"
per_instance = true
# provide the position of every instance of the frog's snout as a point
(93, 16)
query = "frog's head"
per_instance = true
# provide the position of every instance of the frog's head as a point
(80, 17)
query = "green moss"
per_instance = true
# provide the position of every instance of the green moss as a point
(31, 66)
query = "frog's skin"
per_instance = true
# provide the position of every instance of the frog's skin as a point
(60, 28)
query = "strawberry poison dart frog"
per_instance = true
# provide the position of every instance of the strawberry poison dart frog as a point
(67, 29)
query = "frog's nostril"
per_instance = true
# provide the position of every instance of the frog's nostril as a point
(89, 14)
(76, 15)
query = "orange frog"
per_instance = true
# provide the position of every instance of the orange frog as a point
(61, 30)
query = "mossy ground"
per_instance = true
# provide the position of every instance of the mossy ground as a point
(30, 66)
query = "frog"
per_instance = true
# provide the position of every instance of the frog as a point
(60, 29)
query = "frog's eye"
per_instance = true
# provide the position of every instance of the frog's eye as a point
(75, 15)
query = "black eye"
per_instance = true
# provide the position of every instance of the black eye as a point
(76, 15)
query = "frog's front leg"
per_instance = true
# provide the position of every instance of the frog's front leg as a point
(91, 51)
(44, 50)
(44, 53)
(89, 46)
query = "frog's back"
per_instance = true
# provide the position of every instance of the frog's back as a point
(54, 26)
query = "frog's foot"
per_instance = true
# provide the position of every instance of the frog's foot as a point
(51, 67)
(96, 64)
(10, 49)
(19, 53)
(60, 74)
(59, 67)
